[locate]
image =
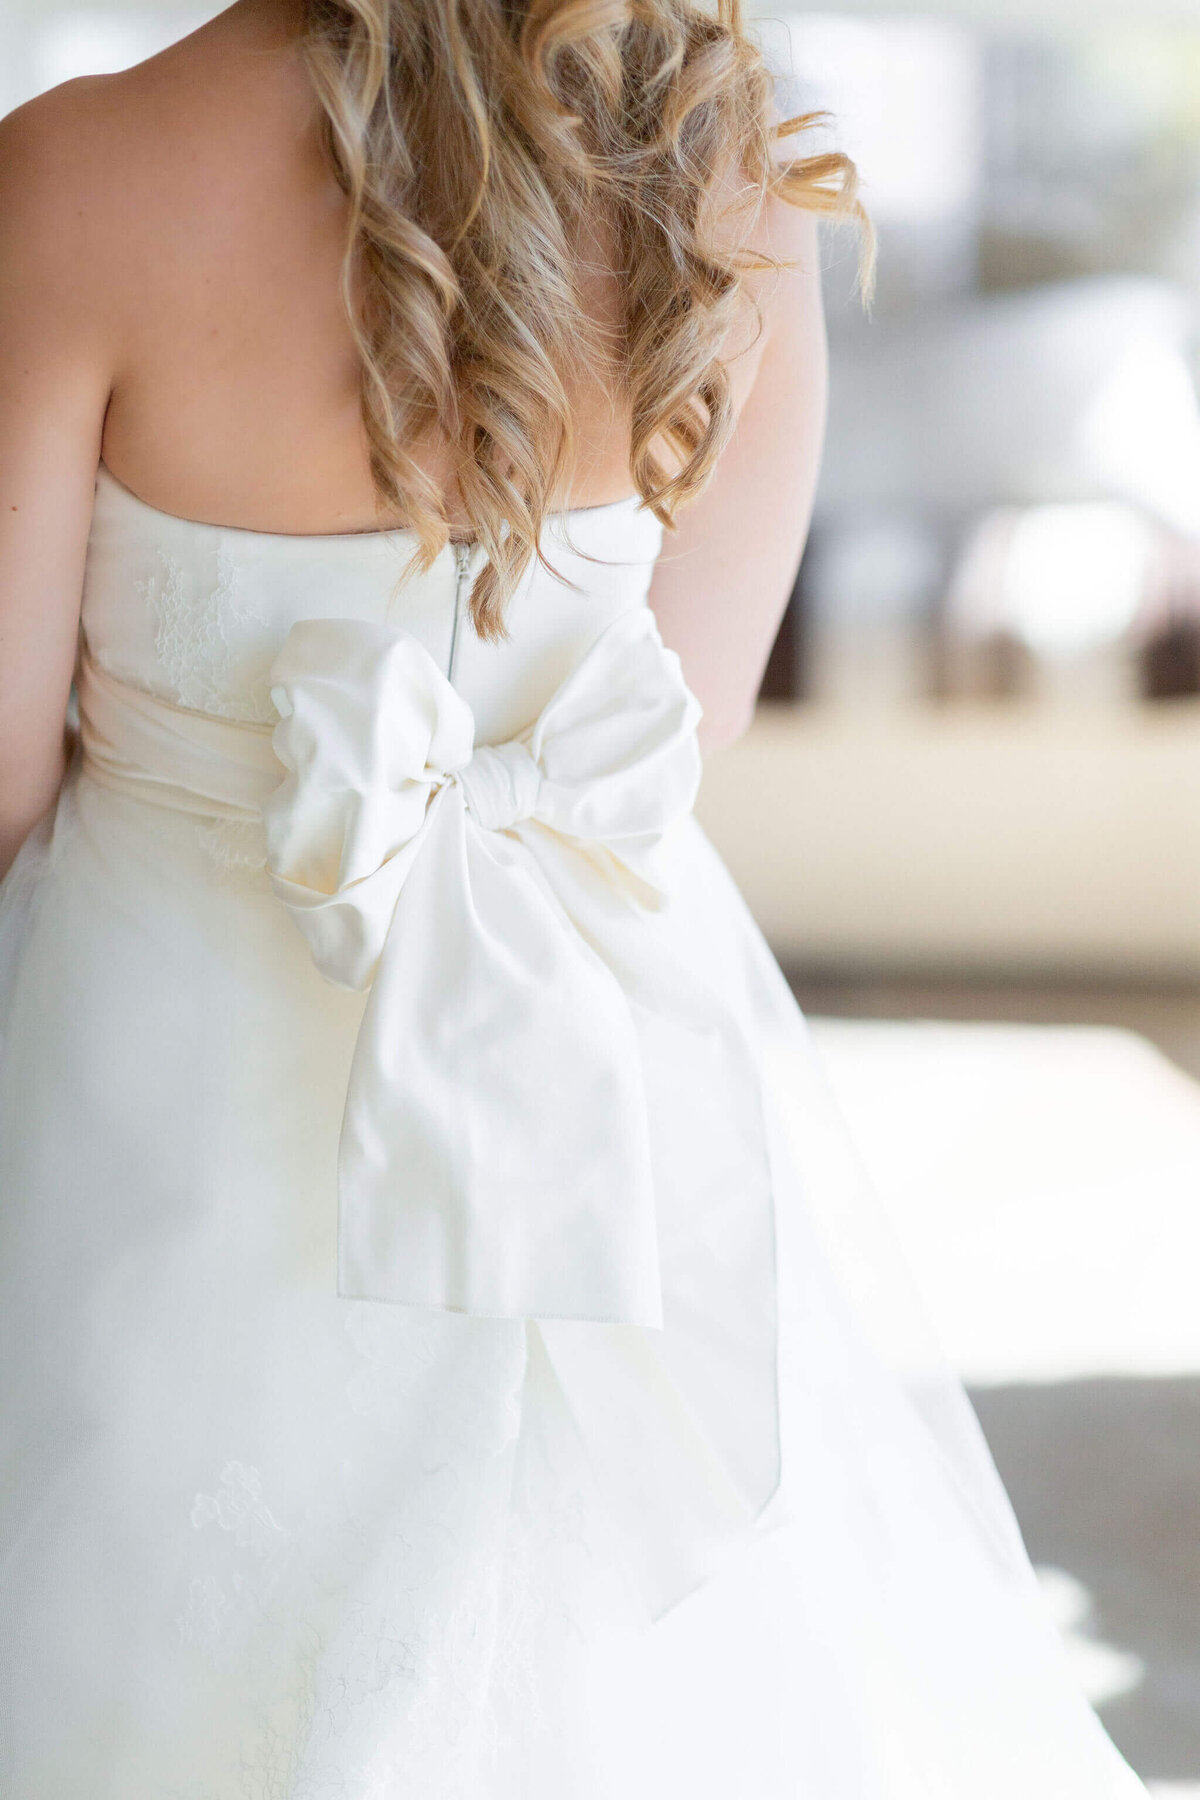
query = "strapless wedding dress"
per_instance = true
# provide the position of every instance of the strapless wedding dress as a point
(448, 1348)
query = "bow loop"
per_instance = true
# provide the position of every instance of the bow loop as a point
(617, 747)
(368, 731)
(367, 728)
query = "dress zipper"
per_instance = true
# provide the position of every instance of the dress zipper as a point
(462, 559)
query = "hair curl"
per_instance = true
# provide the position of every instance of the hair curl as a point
(474, 139)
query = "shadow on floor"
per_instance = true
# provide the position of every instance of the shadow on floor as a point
(1104, 1475)
(1168, 1015)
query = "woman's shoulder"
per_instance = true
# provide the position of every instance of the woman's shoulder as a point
(56, 194)
(132, 191)
(108, 158)
(50, 149)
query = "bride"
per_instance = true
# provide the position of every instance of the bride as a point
(448, 1348)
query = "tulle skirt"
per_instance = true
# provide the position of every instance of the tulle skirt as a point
(259, 1542)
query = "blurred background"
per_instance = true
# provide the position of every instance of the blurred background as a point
(968, 813)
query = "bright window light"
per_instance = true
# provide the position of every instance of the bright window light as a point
(1074, 576)
(1141, 436)
(905, 100)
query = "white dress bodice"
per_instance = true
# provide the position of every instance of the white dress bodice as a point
(196, 613)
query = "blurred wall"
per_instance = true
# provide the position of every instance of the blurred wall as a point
(43, 42)
(1009, 512)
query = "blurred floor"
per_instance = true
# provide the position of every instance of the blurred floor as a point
(1169, 1016)
(1105, 1479)
(1041, 1157)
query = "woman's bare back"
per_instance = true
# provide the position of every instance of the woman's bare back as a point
(237, 398)
(171, 241)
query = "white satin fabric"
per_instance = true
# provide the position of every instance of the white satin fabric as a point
(427, 1245)
(471, 888)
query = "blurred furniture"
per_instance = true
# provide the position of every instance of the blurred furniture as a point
(1077, 390)
(965, 838)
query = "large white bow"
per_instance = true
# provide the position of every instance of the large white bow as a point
(495, 1152)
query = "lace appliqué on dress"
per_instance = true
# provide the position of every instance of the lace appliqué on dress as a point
(214, 646)
(212, 640)
(369, 1623)
(238, 1508)
(237, 847)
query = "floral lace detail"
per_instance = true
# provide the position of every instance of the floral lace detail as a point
(237, 847)
(238, 1507)
(215, 647)
(411, 1635)
(211, 654)
(360, 1638)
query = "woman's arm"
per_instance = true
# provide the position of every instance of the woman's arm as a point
(54, 386)
(725, 576)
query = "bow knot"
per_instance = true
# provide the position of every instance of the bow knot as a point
(501, 785)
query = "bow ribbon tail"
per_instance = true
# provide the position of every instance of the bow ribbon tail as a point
(495, 1157)
(672, 1498)
(682, 1428)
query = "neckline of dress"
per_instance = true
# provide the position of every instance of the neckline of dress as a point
(104, 473)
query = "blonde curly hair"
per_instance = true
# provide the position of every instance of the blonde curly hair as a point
(474, 140)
